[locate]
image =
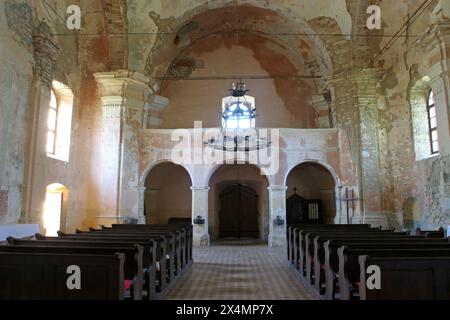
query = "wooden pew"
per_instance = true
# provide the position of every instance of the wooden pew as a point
(153, 251)
(188, 228)
(349, 273)
(178, 239)
(314, 246)
(165, 260)
(42, 276)
(307, 252)
(331, 259)
(430, 233)
(168, 259)
(318, 250)
(133, 263)
(185, 230)
(407, 278)
(297, 232)
(293, 228)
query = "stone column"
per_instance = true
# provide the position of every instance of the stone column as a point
(45, 52)
(124, 95)
(277, 208)
(200, 209)
(354, 109)
(366, 81)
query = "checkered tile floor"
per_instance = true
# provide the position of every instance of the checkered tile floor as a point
(239, 271)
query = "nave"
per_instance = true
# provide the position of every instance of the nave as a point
(230, 270)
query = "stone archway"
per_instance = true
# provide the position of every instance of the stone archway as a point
(313, 181)
(165, 183)
(247, 175)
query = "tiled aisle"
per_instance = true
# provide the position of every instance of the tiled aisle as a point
(239, 272)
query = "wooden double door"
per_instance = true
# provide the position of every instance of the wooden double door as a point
(239, 212)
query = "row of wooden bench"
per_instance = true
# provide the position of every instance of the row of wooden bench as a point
(335, 259)
(114, 263)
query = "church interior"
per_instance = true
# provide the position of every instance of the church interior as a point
(225, 149)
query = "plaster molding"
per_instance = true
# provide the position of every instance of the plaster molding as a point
(157, 103)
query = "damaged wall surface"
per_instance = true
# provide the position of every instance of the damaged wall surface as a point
(135, 70)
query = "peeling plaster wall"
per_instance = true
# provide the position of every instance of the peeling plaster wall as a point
(405, 179)
(372, 148)
(166, 14)
(16, 75)
(75, 65)
(280, 103)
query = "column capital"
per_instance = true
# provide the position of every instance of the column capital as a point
(123, 82)
(354, 74)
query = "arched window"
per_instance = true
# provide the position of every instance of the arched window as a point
(423, 120)
(52, 124)
(59, 122)
(432, 123)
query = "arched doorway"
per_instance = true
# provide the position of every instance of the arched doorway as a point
(238, 213)
(167, 193)
(238, 203)
(55, 209)
(311, 194)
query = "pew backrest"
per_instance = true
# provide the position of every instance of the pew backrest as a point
(44, 276)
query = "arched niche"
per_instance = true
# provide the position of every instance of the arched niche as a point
(167, 193)
(313, 182)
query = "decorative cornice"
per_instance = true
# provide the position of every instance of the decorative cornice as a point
(157, 103)
(434, 34)
(121, 81)
(354, 74)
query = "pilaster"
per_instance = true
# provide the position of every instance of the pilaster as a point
(277, 211)
(124, 95)
(200, 210)
(45, 53)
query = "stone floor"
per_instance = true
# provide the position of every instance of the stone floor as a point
(233, 270)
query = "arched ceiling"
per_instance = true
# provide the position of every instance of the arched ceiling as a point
(177, 25)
